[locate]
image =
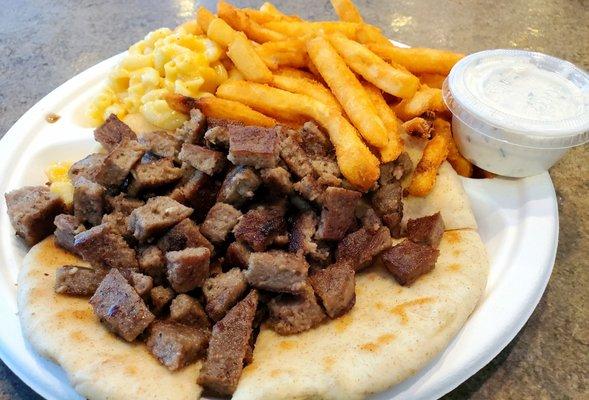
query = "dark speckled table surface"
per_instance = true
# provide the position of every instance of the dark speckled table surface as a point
(43, 44)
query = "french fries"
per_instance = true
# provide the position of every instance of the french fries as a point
(240, 21)
(418, 60)
(394, 146)
(461, 165)
(356, 161)
(432, 80)
(270, 9)
(309, 87)
(348, 90)
(374, 69)
(426, 99)
(220, 32)
(215, 107)
(284, 53)
(434, 154)
(419, 127)
(247, 61)
(346, 10)
(305, 29)
(204, 18)
(295, 73)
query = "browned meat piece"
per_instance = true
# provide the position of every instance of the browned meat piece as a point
(228, 347)
(407, 261)
(426, 230)
(161, 143)
(158, 214)
(290, 314)
(310, 189)
(219, 222)
(216, 266)
(32, 210)
(123, 204)
(254, 146)
(387, 202)
(293, 154)
(301, 237)
(223, 123)
(281, 240)
(223, 291)
(419, 127)
(338, 213)
(152, 262)
(322, 255)
(119, 162)
(191, 131)
(239, 185)
(259, 227)
(370, 219)
(359, 248)
(160, 297)
(187, 310)
(326, 168)
(153, 175)
(113, 132)
(217, 136)
(237, 255)
(197, 191)
(299, 203)
(208, 161)
(277, 271)
(176, 345)
(277, 179)
(184, 235)
(141, 283)
(119, 307)
(119, 223)
(87, 167)
(103, 248)
(188, 268)
(67, 227)
(314, 141)
(396, 170)
(335, 286)
(77, 281)
(88, 201)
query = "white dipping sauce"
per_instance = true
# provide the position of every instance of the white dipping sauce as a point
(515, 113)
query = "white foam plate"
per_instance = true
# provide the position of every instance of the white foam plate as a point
(518, 222)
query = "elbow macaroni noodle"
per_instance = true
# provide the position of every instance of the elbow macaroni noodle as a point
(166, 61)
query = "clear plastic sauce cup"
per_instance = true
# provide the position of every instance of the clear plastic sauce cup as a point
(516, 113)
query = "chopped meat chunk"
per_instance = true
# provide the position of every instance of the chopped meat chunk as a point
(338, 213)
(239, 186)
(77, 281)
(141, 283)
(293, 154)
(359, 248)
(176, 345)
(290, 314)
(199, 191)
(119, 162)
(407, 261)
(184, 235)
(103, 248)
(370, 219)
(301, 237)
(123, 204)
(426, 230)
(191, 131)
(188, 268)
(335, 286)
(160, 143)
(277, 271)
(253, 146)
(152, 262)
(228, 347)
(396, 170)
(153, 175)
(387, 202)
(88, 201)
(237, 255)
(119, 223)
(220, 220)
(113, 132)
(120, 308)
(67, 227)
(217, 136)
(32, 210)
(160, 297)
(158, 214)
(310, 189)
(259, 226)
(208, 161)
(326, 167)
(187, 310)
(277, 179)
(87, 167)
(223, 291)
(314, 141)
